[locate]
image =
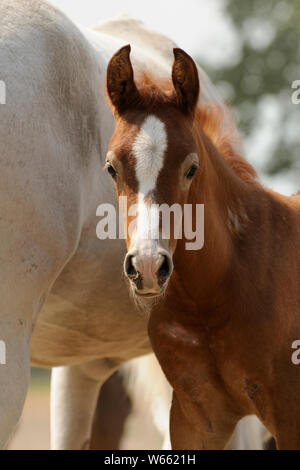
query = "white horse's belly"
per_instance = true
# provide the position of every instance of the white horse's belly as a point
(89, 313)
(114, 334)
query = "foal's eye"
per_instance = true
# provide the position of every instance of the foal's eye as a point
(111, 170)
(191, 172)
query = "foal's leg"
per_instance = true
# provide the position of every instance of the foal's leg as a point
(282, 413)
(74, 394)
(287, 425)
(287, 441)
(193, 427)
(202, 413)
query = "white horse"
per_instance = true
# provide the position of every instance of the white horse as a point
(62, 297)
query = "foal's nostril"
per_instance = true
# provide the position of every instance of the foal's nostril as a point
(149, 274)
(165, 268)
(129, 268)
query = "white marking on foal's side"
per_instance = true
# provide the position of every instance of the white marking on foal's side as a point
(237, 221)
(149, 149)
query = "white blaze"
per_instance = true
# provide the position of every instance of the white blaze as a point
(149, 149)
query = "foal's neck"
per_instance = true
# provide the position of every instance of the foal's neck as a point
(228, 204)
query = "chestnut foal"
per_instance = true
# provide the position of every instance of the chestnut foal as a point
(224, 328)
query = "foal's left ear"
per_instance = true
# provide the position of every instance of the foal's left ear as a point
(186, 81)
(120, 85)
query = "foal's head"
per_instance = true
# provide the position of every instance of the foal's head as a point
(152, 159)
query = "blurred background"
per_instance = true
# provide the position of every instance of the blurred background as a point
(251, 51)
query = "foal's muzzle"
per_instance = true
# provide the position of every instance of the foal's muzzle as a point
(149, 270)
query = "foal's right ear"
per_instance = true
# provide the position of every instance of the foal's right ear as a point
(120, 85)
(186, 81)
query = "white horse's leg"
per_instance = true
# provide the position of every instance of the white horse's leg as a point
(248, 435)
(74, 394)
(14, 379)
(15, 334)
(151, 397)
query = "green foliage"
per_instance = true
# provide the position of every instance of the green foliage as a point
(268, 36)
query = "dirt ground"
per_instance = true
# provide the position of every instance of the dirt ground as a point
(33, 431)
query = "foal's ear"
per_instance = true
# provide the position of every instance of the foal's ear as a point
(186, 81)
(120, 85)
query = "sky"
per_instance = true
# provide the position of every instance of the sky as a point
(204, 31)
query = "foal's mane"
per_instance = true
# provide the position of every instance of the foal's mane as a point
(211, 118)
